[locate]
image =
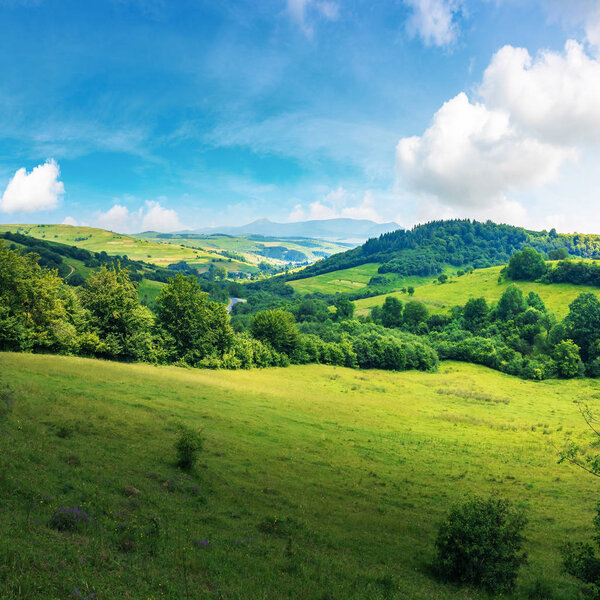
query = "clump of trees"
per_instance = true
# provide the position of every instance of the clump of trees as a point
(276, 327)
(528, 264)
(428, 248)
(480, 543)
(104, 318)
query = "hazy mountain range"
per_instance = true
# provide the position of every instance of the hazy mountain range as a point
(327, 229)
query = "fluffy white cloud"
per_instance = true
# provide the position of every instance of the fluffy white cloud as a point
(117, 218)
(338, 203)
(555, 96)
(472, 155)
(69, 221)
(151, 217)
(157, 218)
(531, 118)
(433, 21)
(299, 10)
(38, 190)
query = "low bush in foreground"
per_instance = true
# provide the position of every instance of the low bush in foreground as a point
(480, 543)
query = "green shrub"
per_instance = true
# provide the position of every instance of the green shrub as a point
(581, 560)
(568, 363)
(480, 543)
(188, 444)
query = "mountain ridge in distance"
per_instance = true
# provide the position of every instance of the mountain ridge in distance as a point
(327, 229)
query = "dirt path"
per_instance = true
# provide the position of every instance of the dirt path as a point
(233, 302)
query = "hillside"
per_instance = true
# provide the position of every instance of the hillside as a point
(428, 249)
(355, 230)
(101, 240)
(356, 280)
(314, 481)
(482, 283)
(253, 248)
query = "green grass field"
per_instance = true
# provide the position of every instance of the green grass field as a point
(344, 280)
(314, 482)
(97, 240)
(248, 245)
(148, 290)
(354, 279)
(481, 282)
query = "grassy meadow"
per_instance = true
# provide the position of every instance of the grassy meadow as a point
(249, 245)
(314, 482)
(97, 240)
(355, 279)
(481, 282)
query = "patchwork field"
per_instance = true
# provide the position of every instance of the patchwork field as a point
(98, 240)
(314, 482)
(481, 282)
(255, 248)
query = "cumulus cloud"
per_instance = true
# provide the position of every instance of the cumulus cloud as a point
(301, 10)
(434, 21)
(471, 154)
(338, 203)
(38, 190)
(555, 96)
(529, 118)
(151, 217)
(69, 221)
(157, 218)
(117, 218)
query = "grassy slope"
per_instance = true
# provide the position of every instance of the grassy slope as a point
(344, 280)
(245, 245)
(482, 282)
(359, 467)
(353, 280)
(97, 240)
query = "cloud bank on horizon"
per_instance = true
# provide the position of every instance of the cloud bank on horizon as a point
(305, 109)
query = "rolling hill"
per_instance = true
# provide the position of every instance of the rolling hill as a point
(101, 240)
(254, 248)
(352, 230)
(430, 248)
(481, 283)
(314, 481)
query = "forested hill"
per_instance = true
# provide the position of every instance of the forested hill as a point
(426, 249)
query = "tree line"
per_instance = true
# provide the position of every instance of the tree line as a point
(426, 249)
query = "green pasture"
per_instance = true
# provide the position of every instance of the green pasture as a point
(355, 279)
(314, 482)
(148, 290)
(344, 280)
(481, 282)
(98, 240)
(248, 245)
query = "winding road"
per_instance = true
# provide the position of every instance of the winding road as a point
(233, 302)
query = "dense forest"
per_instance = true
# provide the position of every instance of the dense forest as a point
(427, 249)
(39, 312)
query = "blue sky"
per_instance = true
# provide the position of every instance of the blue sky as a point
(139, 114)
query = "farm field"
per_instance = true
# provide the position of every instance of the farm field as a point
(98, 240)
(481, 282)
(314, 481)
(253, 247)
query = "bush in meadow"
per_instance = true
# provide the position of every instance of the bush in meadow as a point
(188, 444)
(480, 543)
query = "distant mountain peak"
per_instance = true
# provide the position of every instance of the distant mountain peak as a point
(339, 229)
